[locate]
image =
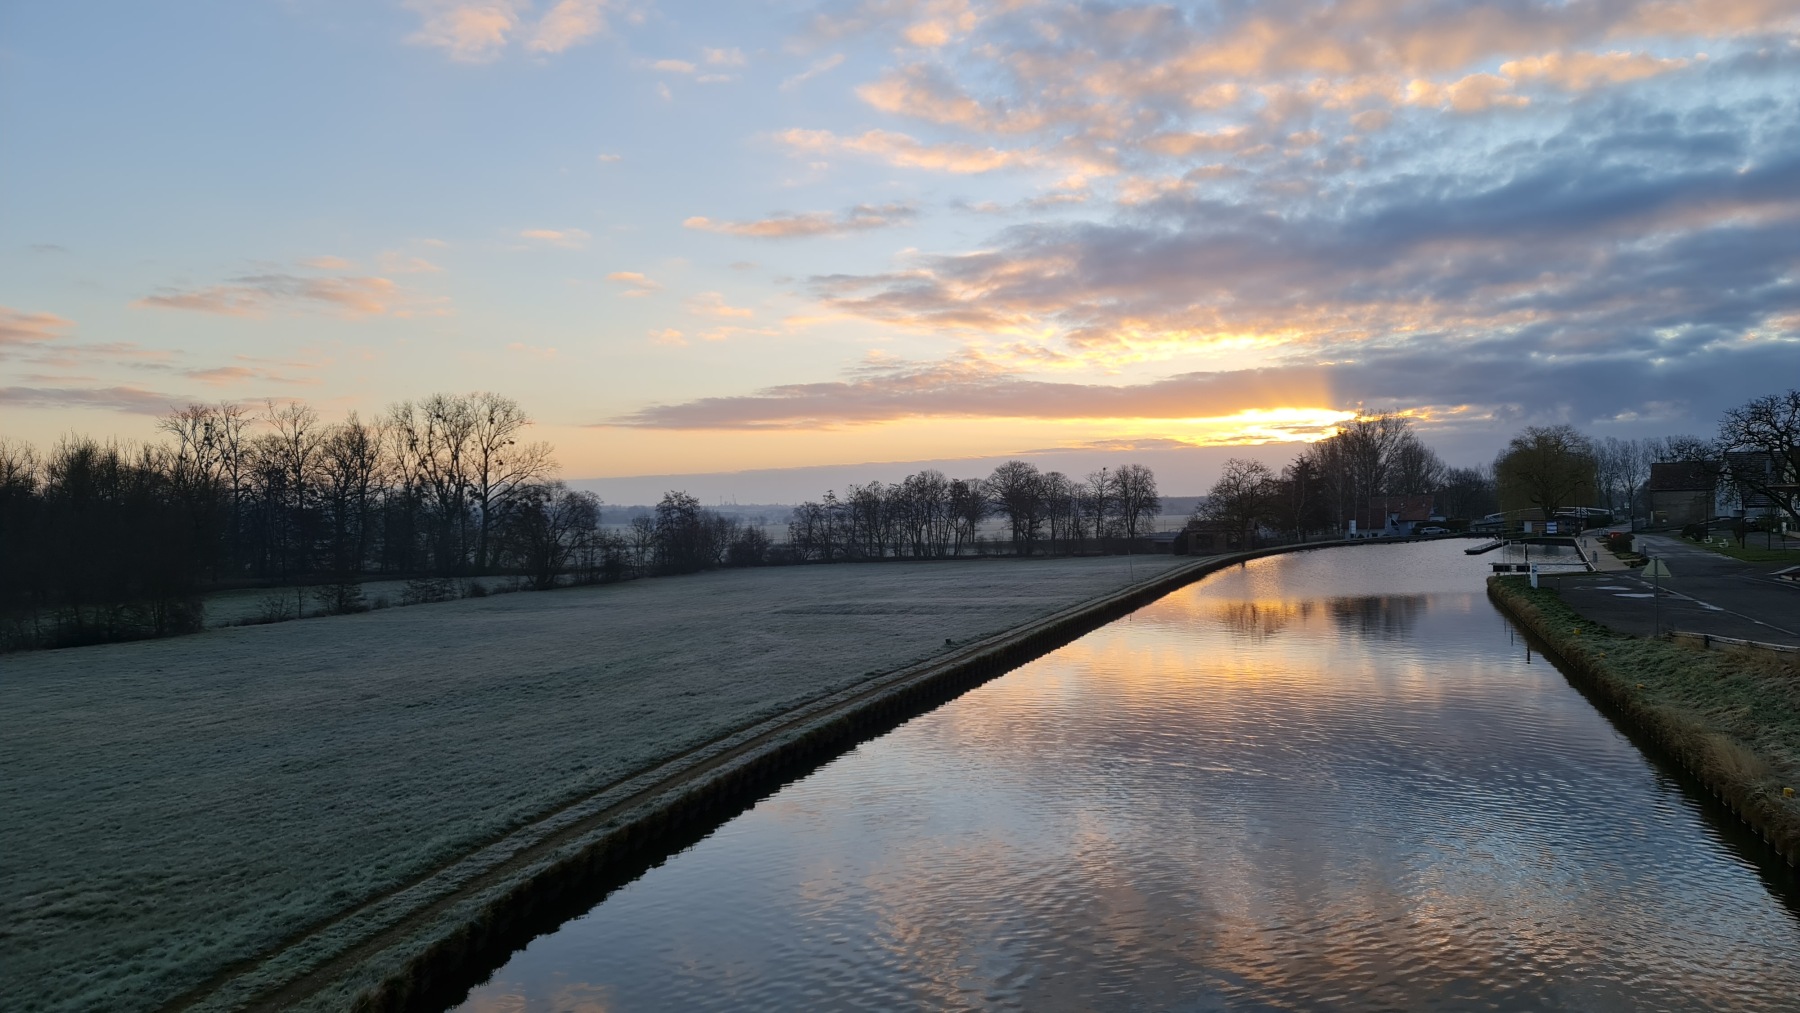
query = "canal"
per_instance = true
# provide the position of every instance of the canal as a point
(1328, 780)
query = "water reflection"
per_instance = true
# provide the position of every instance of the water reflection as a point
(1285, 787)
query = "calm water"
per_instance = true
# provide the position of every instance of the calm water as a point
(1289, 786)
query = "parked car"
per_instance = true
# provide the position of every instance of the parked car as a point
(1434, 530)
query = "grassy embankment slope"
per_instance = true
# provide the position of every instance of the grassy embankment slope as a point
(1731, 717)
(176, 806)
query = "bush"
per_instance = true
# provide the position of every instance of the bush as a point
(271, 608)
(342, 598)
(425, 590)
(1619, 541)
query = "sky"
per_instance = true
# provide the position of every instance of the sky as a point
(705, 238)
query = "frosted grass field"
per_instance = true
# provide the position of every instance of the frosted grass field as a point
(174, 805)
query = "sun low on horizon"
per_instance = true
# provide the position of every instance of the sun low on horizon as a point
(692, 237)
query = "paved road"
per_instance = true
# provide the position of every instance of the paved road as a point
(1709, 593)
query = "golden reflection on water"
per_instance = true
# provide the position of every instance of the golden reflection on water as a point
(1267, 790)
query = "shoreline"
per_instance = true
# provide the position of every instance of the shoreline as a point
(422, 945)
(1655, 688)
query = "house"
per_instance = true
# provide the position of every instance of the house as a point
(1683, 492)
(1204, 537)
(1392, 516)
(1752, 501)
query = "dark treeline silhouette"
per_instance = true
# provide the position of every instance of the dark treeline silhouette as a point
(1542, 472)
(1331, 482)
(102, 541)
(105, 541)
(928, 516)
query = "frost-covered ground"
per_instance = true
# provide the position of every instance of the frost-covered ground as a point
(242, 606)
(174, 805)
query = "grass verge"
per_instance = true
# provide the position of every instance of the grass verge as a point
(1731, 718)
(1752, 552)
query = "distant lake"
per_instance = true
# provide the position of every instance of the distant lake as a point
(1335, 779)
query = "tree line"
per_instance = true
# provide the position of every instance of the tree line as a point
(927, 516)
(107, 541)
(1755, 454)
(111, 541)
(1546, 469)
(1331, 481)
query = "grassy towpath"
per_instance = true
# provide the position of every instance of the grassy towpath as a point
(1730, 717)
(175, 806)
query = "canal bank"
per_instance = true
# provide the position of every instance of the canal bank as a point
(1730, 718)
(1322, 779)
(417, 947)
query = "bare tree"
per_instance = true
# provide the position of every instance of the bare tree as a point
(499, 466)
(1680, 447)
(1099, 502)
(1414, 469)
(350, 473)
(550, 525)
(1761, 440)
(1468, 493)
(968, 507)
(1016, 489)
(1134, 490)
(293, 451)
(1243, 497)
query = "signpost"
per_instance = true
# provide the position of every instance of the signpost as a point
(1656, 570)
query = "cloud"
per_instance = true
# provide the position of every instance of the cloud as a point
(328, 264)
(861, 218)
(818, 67)
(607, 159)
(533, 352)
(130, 400)
(713, 304)
(669, 336)
(970, 387)
(568, 239)
(222, 376)
(1474, 387)
(567, 24)
(48, 248)
(395, 262)
(256, 294)
(732, 57)
(480, 31)
(470, 32)
(18, 327)
(1548, 235)
(635, 285)
(908, 152)
(1583, 71)
(674, 66)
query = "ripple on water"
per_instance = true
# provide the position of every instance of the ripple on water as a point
(1281, 788)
